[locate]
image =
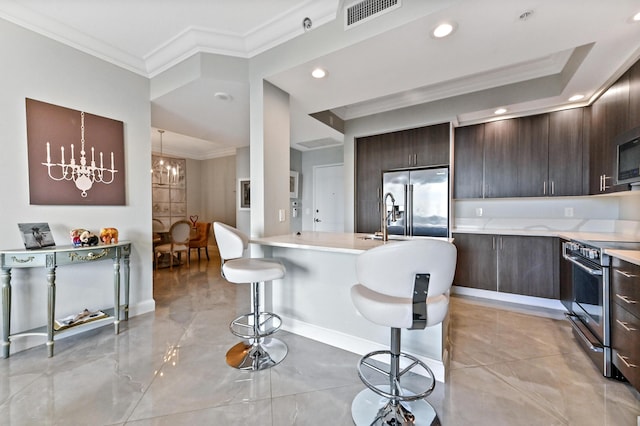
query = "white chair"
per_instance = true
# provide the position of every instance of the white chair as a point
(402, 285)
(178, 243)
(259, 351)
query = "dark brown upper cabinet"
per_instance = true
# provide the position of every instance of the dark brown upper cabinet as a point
(609, 118)
(420, 147)
(468, 162)
(501, 159)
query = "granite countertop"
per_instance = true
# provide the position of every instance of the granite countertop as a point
(632, 256)
(329, 241)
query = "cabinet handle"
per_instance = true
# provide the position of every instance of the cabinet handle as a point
(624, 359)
(626, 299)
(553, 188)
(410, 159)
(624, 325)
(544, 188)
(493, 243)
(604, 182)
(625, 274)
(415, 159)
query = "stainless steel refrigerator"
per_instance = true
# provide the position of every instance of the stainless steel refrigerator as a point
(421, 206)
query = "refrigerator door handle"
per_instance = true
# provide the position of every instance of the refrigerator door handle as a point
(408, 228)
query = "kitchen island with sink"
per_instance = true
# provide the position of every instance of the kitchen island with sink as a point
(314, 299)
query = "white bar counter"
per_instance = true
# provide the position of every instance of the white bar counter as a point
(314, 298)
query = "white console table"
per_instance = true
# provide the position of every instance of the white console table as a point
(49, 259)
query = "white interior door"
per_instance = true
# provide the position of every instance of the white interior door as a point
(328, 198)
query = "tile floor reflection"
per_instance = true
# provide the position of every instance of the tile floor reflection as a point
(168, 368)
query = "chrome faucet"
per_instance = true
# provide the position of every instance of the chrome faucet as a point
(384, 216)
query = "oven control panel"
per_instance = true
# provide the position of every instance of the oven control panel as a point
(583, 250)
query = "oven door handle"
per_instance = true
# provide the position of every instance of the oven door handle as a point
(576, 262)
(585, 335)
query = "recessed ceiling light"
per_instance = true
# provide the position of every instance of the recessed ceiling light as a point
(223, 96)
(500, 111)
(443, 30)
(576, 98)
(636, 17)
(318, 73)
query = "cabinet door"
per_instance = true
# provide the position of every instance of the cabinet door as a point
(476, 265)
(533, 154)
(430, 145)
(565, 152)
(368, 183)
(634, 96)
(468, 162)
(501, 159)
(396, 150)
(528, 266)
(609, 116)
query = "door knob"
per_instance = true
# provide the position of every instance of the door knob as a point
(316, 220)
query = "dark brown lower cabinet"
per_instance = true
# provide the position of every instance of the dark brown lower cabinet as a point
(625, 319)
(508, 263)
(476, 265)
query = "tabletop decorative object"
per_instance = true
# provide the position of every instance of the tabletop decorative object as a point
(36, 235)
(109, 235)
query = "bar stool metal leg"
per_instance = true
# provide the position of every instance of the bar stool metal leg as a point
(392, 405)
(259, 351)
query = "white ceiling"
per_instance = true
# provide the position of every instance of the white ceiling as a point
(493, 59)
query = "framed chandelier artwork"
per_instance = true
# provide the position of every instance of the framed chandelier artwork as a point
(75, 158)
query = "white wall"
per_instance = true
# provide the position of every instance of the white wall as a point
(243, 217)
(217, 189)
(194, 178)
(296, 166)
(42, 69)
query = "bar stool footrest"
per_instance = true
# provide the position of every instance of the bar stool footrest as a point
(268, 323)
(378, 367)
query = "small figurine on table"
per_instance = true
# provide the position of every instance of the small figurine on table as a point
(75, 236)
(109, 235)
(88, 238)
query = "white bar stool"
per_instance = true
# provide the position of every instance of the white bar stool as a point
(403, 284)
(259, 351)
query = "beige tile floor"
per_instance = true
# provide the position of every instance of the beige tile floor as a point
(167, 368)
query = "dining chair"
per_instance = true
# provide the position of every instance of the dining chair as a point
(201, 239)
(178, 242)
(158, 229)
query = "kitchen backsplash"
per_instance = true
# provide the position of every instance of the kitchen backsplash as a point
(619, 213)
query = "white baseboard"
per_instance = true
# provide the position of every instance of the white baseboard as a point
(552, 308)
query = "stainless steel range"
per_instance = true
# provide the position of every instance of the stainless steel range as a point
(589, 307)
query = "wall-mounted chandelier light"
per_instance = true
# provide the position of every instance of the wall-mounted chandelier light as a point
(83, 175)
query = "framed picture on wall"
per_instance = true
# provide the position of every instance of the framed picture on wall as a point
(293, 184)
(244, 194)
(74, 157)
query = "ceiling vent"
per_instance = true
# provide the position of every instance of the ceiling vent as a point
(366, 10)
(319, 143)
